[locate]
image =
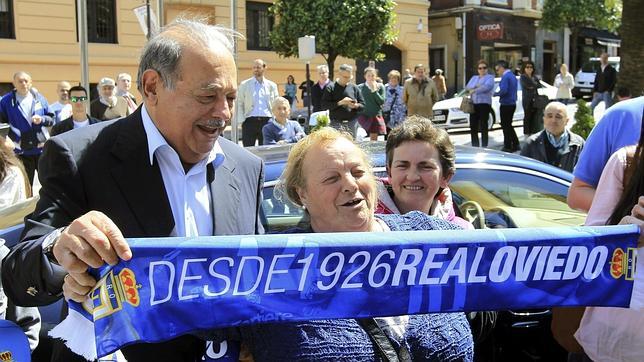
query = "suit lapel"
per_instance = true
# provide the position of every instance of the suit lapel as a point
(542, 145)
(225, 197)
(140, 182)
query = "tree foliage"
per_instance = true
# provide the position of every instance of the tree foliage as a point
(352, 28)
(631, 70)
(577, 14)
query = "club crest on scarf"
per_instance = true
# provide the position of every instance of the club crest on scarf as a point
(623, 263)
(110, 292)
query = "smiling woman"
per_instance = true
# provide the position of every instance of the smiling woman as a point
(331, 178)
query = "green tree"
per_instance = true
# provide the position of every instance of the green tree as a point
(577, 14)
(351, 28)
(631, 70)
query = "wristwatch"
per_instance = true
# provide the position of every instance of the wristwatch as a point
(48, 245)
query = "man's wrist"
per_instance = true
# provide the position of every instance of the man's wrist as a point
(48, 245)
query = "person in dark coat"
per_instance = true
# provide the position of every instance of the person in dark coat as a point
(529, 85)
(555, 145)
(605, 80)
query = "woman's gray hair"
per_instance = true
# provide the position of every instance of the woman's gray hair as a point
(162, 52)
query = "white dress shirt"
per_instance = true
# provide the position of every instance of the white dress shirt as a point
(188, 193)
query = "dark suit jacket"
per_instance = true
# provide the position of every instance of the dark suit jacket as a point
(68, 125)
(106, 168)
(605, 81)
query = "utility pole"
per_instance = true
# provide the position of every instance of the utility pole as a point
(82, 43)
(233, 25)
(148, 22)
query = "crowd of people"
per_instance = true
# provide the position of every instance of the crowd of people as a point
(162, 169)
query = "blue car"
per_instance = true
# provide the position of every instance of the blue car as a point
(491, 189)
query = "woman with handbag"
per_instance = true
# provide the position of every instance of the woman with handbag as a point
(532, 107)
(480, 89)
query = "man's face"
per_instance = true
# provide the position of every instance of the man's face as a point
(107, 91)
(555, 119)
(344, 76)
(324, 75)
(258, 68)
(499, 70)
(193, 115)
(125, 83)
(63, 92)
(22, 82)
(281, 111)
(604, 58)
(419, 73)
(79, 102)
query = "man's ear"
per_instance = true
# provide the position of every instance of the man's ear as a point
(151, 84)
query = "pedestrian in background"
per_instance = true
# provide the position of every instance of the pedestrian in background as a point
(373, 93)
(565, 82)
(344, 101)
(108, 106)
(290, 91)
(555, 145)
(529, 85)
(62, 108)
(394, 109)
(27, 111)
(281, 130)
(420, 94)
(605, 80)
(480, 88)
(123, 86)
(508, 103)
(317, 90)
(623, 93)
(441, 83)
(79, 117)
(254, 98)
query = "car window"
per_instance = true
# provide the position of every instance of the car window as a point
(525, 199)
(280, 213)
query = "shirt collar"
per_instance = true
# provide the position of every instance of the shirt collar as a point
(274, 121)
(156, 140)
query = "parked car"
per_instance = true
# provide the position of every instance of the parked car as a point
(447, 113)
(585, 77)
(492, 189)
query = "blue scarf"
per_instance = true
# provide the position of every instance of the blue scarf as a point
(175, 286)
(561, 142)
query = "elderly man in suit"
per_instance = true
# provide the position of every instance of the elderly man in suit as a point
(162, 171)
(254, 99)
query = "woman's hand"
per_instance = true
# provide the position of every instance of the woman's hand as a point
(636, 217)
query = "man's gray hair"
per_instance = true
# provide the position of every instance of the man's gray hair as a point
(346, 68)
(323, 68)
(162, 53)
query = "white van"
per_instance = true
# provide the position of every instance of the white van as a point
(585, 77)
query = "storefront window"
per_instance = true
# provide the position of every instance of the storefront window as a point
(512, 54)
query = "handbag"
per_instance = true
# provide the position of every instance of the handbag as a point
(387, 114)
(381, 341)
(540, 101)
(467, 105)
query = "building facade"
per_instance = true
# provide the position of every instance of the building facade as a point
(42, 39)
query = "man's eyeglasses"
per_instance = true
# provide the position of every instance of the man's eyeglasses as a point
(482, 67)
(78, 99)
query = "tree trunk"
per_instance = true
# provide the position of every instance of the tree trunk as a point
(331, 64)
(631, 72)
(574, 37)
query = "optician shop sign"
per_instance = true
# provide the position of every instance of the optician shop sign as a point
(491, 31)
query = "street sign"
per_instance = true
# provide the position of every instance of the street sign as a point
(141, 13)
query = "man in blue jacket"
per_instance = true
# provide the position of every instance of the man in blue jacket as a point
(27, 112)
(508, 100)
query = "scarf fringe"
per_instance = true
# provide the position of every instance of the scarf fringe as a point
(78, 334)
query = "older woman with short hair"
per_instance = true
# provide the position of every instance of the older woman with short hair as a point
(331, 178)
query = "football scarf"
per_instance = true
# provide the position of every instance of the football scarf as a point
(175, 286)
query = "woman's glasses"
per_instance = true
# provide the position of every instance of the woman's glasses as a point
(483, 68)
(77, 99)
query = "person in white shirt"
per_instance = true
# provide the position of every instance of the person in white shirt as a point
(62, 108)
(123, 85)
(254, 99)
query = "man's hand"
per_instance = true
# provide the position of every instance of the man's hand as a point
(636, 217)
(36, 119)
(89, 241)
(346, 101)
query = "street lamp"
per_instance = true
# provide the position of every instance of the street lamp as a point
(306, 50)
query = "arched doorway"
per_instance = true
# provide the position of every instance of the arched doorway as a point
(393, 60)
